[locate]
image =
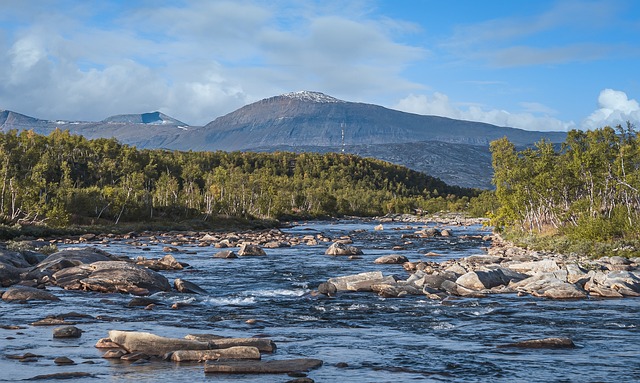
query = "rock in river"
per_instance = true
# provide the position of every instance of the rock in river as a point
(152, 344)
(394, 259)
(542, 343)
(339, 248)
(110, 277)
(24, 293)
(188, 287)
(67, 332)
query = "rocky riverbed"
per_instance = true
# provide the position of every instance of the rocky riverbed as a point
(287, 285)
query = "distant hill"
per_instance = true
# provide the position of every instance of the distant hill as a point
(455, 151)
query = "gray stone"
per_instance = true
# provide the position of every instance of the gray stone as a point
(548, 343)
(391, 259)
(339, 248)
(24, 293)
(225, 254)
(188, 287)
(110, 277)
(341, 282)
(247, 249)
(67, 332)
(152, 344)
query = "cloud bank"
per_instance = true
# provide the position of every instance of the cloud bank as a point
(615, 108)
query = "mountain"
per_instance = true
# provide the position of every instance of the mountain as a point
(315, 119)
(146, 130)
(455, 151)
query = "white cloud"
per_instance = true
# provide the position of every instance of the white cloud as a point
(439, 104)
(615, 108)
(195, 61)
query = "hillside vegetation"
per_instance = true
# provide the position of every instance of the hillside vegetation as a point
(63, 179)
(583, 196)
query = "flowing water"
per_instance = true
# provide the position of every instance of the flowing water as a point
(380, 340)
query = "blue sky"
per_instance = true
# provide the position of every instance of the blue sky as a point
(538, 65)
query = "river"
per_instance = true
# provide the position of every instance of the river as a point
(380, 340)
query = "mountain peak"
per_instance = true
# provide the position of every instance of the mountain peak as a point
(309, 96)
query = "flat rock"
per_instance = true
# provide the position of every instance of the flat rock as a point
(341, 282)
(24, 293)
(111, 277)
(236, 352)
(153, 344)
(63, 375)
(542, 343)
(262, 367)
(394, 259)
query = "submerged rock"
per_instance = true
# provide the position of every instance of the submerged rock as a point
(188, 287)
(541, 343)
(262, 367)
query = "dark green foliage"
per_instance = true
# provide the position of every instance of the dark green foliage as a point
(587, 190)
(63, 179)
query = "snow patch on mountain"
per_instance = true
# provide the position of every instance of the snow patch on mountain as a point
(305, 95)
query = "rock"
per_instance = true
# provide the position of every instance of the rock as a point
(262, 367)
(542, 343)
(446, 233)
(615, 284)
(9, 275)
(341, 282)
(247, 249)
(429, 232)
(391, 259)
(168, 262)
(300, 380)
(67, 332)
(63, 375)
(262, 344)
(432, 254)
(69, 258)
(134, 357)
(114, 354)
(24, 293)
(549, 285)
(534, 267)
(225, 254)
(395, 290)
(379, 228)
(153, 344)
(27, 355)
(327, 288)
(367, 285)
(63, 360)
(188, 287)
(110, 277)
(236, 352)
(482, 279)
(106, 343)
(339, 248)
(142, 302)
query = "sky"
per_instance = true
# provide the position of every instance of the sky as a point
(536, 65)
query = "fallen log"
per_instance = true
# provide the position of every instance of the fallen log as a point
(262, 367)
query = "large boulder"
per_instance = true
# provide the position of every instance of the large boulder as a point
(69, 258)
(13, 258)
(9, 275)
(550, 285)
(534, 267)
(111, 277)
(152, 344)
(339, 248)
(24, 293)
(342, 283)
(168, 262)
(247, 249)
(615, 284)
(482, 279)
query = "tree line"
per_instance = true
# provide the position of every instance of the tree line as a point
(62, 178)
(587, 188)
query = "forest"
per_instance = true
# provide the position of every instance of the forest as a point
(585, 191)
(64, 179)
